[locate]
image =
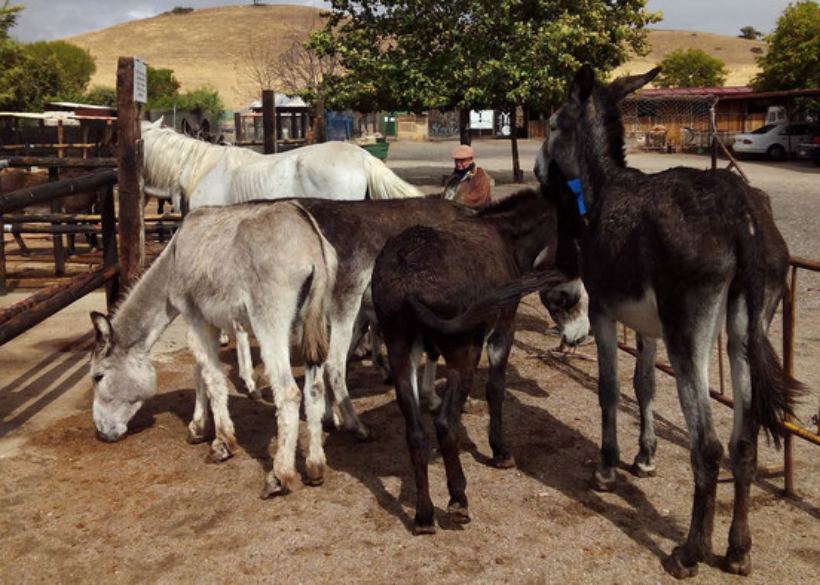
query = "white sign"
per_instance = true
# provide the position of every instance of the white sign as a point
(140, 81)
(481, 119)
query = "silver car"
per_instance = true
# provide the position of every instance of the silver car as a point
(774, 140)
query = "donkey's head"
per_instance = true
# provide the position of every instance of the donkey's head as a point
(123, 378)
(589, 123)
(568, 306)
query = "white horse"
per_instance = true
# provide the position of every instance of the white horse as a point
(201, 173)
(266, 266)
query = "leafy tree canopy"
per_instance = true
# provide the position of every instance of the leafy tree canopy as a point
(793, 58)
(161, 83)
(403, 54)
(75, 65)
(101, 95)
(203, 101)
(750, 33)
(691, 68)
(8, 18)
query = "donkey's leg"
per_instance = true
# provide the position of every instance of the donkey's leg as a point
(203, 341)
(461, 367)
(401, 356)
(244, 360)
(314, 392)
(428, 384)
(644, 383)
(341, 327)
(606, 339)
(198, 431)
(743, 444)
(499, 345)
(688, 346)
(274, 343)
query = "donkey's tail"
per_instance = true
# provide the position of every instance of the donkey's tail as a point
(497, 300)
(319, 285)
(382, 183)
(774, 391)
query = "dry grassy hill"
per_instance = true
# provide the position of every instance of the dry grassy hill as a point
(206, 47)
(738, 54)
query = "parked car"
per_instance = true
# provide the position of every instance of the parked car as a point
(775, 140)
(811, 150)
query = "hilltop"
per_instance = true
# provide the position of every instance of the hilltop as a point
(205, 47)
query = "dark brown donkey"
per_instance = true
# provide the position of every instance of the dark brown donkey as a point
(675, 255)
(444, 291)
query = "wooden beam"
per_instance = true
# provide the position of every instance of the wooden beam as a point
(131, 235)
(24, 315)
(63, 163)
(22, 198)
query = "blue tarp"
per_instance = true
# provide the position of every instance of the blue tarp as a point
(338, 126)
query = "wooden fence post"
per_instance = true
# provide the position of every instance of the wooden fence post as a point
(269, 122)
(131, 228)
(237, 125)
(57, 239)
(109, 242)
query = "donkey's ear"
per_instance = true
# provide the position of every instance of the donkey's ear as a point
(158, 122)
(186, 127)
(623, 86)
(104, 334)
(205, 127)
(582, 85)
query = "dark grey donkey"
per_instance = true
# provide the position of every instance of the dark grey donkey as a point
(674, 255)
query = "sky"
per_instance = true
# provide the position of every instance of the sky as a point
(53, 19)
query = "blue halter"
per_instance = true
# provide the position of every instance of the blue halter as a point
(575, 185)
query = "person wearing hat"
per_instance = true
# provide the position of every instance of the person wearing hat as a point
(469, 184)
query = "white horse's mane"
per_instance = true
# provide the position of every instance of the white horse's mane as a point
(167, 153)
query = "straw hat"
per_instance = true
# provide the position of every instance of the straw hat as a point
(462, 151)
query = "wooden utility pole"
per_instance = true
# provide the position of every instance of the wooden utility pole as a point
(269, 125)
(131, 227)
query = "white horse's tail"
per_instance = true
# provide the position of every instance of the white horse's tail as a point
(382, 183)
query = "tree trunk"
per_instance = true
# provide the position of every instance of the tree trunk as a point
(319, 134)
(464, 126)
(518, 174)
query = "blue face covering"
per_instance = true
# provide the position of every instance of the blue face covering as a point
(575, 185)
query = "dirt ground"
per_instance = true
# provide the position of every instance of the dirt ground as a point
(149, 509)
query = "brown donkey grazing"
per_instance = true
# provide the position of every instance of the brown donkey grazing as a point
(444, 291)
(675, 255)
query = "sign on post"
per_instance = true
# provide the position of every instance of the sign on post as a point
(140, 81)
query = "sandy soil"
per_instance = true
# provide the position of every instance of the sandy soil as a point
(149, 509)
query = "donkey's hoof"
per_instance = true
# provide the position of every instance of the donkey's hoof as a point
(223, 338)
(315, 473)
(678, 567)
(503, 461)
(458, 513)
(643, 469)
(737, 563)
(219, 452)
(272, 489)
(196, 435)
(434, 403)
(604, 480)
(419, 529)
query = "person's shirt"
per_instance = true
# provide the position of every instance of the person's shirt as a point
(470, 187)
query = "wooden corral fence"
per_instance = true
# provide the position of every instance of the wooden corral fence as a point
(123, 235)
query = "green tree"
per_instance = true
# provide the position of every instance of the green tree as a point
(202, 101)
(691, 68)
(8, 18)
(161, 83)
(750, 33)
(793, 58)
(75, 65)
(404, 54)
(100, 95)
